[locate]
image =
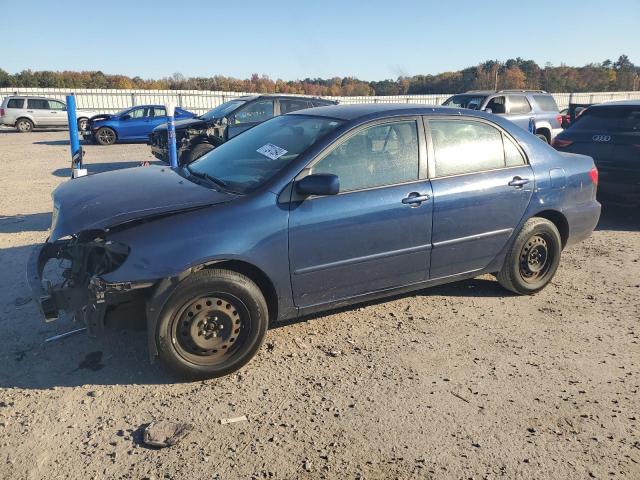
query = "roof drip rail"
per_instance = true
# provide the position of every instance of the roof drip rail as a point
(521, 91)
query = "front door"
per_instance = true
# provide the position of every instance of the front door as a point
(376, 233)
(135, 124)
(58, 112)
(482, 186)
(249, 116)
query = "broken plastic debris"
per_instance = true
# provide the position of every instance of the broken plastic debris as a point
(165, 433)
(224, 421)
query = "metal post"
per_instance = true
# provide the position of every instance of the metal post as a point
(77, 169)
(171, 135)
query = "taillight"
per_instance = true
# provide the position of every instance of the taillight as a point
(559, 143)
(559, 119)
(1, 112)
(593, 175)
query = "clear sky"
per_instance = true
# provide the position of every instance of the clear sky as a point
(287, 39)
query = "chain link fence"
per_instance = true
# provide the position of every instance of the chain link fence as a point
(199, 101)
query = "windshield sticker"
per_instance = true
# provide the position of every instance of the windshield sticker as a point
(271, 151)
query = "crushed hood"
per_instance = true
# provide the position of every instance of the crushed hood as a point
(109, 199)
(194, 122)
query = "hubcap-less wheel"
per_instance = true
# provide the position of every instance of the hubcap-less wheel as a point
(535, 258)
(209, 328)
(106, 136)
(82, 124)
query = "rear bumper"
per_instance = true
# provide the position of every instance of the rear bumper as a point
(582, 220)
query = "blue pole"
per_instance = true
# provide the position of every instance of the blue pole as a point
(76, 151)
(171, 137)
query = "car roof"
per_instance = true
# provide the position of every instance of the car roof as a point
(618, 103)
(275, 95)
(375, 110)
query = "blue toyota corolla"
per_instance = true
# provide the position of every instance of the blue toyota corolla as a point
(311, 210)
(133, 124)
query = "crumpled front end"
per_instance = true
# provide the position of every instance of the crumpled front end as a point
(78, 287)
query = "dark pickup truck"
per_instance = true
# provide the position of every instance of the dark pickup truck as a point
(199, 135)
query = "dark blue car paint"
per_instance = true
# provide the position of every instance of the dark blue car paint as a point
(325, 252)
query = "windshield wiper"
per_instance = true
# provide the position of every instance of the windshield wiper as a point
(205, 176)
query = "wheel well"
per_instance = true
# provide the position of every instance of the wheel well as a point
(544, 131)
(559, 220)
(25, 118)
(258, 276)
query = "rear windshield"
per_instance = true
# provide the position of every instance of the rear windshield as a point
(247, 161)
(15, 103)
(546, 103)
(465, 101)
(609, 119)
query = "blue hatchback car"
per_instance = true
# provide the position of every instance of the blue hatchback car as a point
(308, 211)
(133, 124)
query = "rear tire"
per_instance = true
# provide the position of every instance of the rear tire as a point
(24, 125)
(106, 136)
(542, 137)
(213, 324)
(533, 258)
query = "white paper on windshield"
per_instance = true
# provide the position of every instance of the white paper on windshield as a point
(271, 151)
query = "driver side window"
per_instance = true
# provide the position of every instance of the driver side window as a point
(379, 155)
(56, 105)
(255, 112)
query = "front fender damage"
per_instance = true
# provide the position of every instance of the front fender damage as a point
(79, 288)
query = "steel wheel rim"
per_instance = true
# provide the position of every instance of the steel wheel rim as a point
(536, 258)
(106, 136)
(210, 329)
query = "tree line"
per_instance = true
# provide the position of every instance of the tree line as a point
(619, 75)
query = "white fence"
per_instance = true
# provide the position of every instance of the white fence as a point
(200, 101)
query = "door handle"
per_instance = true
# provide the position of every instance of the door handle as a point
(415, 199)
(518, 182)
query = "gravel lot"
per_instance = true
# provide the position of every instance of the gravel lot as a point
(461, 381)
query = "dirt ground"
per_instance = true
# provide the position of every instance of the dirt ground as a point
(460, 381)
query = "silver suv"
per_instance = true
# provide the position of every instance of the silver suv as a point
(26, 113)
(519, 106)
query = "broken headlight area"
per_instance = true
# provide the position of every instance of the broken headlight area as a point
(76, 265)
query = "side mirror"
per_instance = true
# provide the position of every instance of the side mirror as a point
(125, 117)
(318, 184)
(488, 110)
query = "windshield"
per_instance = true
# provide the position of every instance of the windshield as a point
(222, 110)
(465, 101)
(250, 159)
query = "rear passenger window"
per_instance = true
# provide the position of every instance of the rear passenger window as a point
(378, 155)
(287, 106)
(37, 104)
(466, 146)
(519, 104)
(546, 103)
(15, 103)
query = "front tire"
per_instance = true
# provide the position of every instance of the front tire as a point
(82, 124)
(106, 136)
(533, 259)
(213, 324)
(24, 125)
(197, 151)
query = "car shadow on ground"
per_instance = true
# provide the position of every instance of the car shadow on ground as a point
(619, 218)
(103, 167)
(30, 222)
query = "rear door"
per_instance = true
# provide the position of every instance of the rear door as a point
(482, 185)
(249, 116)
(39, 110)
(519, 110)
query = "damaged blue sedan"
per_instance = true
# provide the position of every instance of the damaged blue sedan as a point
(306, 212)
